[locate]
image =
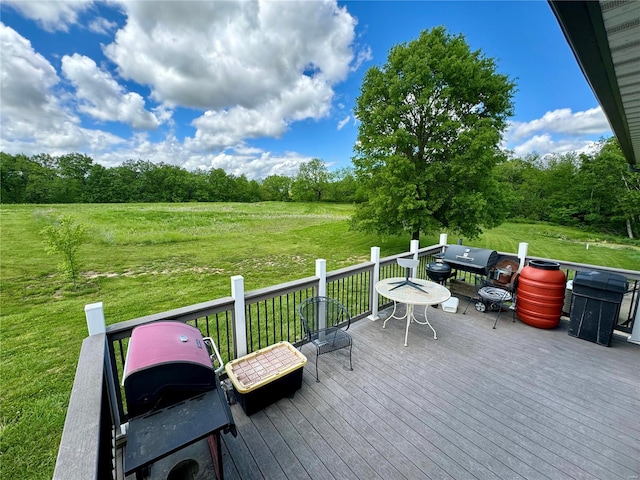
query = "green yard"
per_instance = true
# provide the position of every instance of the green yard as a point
(146, 258)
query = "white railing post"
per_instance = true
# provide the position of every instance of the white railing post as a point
(321, 273)
(94, 314)
(240, 324)
(375, 259)
(522, 253)
(415, 246)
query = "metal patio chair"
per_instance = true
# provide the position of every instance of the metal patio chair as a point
(325, 322)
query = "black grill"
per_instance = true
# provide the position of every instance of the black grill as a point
(469, 259)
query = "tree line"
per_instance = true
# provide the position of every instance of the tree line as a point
(595, 191)
(76, 178)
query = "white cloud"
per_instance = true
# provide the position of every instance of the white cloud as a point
(364, 55)
(102, 26)
(257, 165)
(27, 76)
(52, 15)
(557, 132)
(564, 121)
(218, 130)
(33, 118)
(546, 145)
(343, 122)
(254, 67)
(102, 97)
(254, 163)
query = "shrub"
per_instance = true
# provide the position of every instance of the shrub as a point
(65, 237)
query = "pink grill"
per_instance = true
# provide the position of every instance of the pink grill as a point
(167, 362)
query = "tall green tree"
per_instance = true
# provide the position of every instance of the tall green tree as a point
(99, 186)
(245, 190)
(342, 186)
(13, 178)
(220, 185)
(44, 184)
(311, 181)
(518, 177)
(276, 188)
(431, 121)
(73, 170)
(558, 188)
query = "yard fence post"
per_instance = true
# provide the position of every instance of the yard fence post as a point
(94, 313)
(239, 318)
(375, 277)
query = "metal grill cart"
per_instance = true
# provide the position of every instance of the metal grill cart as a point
(494, 278)
(177, 408)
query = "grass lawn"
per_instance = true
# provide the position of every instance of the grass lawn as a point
(146, 258)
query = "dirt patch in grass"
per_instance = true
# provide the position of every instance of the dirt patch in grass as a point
(166, 271)
(275, 261)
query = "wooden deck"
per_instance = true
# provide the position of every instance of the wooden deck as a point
(477, 403)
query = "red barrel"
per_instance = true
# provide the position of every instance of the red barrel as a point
(541, 294)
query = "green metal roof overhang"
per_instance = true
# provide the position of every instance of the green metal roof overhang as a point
(605, 39)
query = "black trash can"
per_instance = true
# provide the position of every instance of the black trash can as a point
(595, 305)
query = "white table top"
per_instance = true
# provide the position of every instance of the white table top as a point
(435, 293)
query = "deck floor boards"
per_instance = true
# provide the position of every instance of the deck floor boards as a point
(477, 403)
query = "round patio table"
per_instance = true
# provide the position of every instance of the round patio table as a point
(412, 292)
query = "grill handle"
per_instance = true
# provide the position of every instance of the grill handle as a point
(208, 341)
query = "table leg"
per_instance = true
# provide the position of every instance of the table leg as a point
(410, 315)
(393, 315)
(435, 337)
(426, 321)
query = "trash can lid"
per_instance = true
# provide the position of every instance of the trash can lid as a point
(610, 282)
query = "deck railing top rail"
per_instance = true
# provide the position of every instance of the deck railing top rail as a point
(121, 330)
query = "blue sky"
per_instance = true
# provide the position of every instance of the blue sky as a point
(257, 88)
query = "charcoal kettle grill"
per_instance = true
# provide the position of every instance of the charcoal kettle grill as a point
(438, 271)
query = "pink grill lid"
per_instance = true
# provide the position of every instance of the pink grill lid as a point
(160, 343)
